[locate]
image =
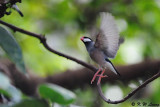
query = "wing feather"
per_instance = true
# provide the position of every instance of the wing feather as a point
(108, 38)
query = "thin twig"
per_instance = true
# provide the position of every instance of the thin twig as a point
(44, 42)
(130, 94)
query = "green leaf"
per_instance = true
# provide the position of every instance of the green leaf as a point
(9, 90)
(16, 95)
(32, 103)
(5, 93)
(56, 94)
(4, 105)
(5, 82)
(9, 44)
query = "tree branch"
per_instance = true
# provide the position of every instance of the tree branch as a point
(130, 94)
(78, 78)
(44, 42)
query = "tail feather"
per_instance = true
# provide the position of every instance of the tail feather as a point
(111, 67)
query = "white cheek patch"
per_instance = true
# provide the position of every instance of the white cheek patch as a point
(86, 40)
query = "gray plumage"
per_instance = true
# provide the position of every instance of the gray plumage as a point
(106, 44)
(108, 38)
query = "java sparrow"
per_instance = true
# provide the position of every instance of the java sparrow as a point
(105, 46)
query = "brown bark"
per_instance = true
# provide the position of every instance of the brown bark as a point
(72, 79)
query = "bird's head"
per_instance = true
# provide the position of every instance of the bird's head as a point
(88, 42)
(86, 39)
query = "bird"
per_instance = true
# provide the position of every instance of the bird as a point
(105, 45)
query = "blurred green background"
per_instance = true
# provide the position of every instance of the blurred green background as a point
(65, 21)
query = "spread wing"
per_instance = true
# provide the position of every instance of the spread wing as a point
(108, 38)
(93, 32)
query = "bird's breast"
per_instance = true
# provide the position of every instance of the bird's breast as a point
(97, 56)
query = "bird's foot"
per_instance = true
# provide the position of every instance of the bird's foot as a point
(100, 76)
(95, 75)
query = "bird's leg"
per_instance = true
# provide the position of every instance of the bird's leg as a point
(101, 76)
(95, 75)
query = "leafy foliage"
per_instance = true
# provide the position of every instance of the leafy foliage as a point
(32, 103)
(9, 44)
(8, 90)
(56, 94)
(48, 92)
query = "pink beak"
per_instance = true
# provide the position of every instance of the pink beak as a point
(82, 38)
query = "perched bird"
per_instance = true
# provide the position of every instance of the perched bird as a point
(105, 46)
